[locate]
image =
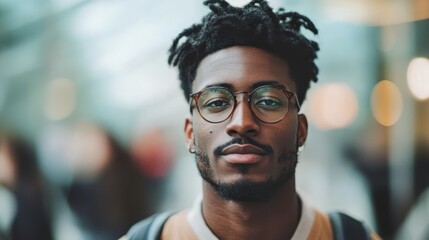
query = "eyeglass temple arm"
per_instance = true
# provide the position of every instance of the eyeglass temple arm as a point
(191, 99)
(297, 102)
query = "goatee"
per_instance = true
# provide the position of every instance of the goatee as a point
(244, 190)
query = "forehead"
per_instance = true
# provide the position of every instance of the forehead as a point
(242, 67)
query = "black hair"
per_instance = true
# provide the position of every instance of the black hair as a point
(256, 25)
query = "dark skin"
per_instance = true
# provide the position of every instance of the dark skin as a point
(241, 69)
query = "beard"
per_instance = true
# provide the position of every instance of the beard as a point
(244, 190)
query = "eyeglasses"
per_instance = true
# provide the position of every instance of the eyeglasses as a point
(268, 103)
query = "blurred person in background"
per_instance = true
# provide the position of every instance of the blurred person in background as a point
(245, 72)
(415, 224)
(28, 209)
(107, 192)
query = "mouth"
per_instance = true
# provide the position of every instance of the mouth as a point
(243, 154)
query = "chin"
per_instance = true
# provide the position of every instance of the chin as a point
(256, 189)
(246, 190)
(243, 184)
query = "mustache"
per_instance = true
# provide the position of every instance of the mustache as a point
(266, 148)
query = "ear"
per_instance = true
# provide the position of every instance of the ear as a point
(302, 129)
(189, 133)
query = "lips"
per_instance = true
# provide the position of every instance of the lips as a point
(242, 154)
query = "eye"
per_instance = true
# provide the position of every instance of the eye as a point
(214, 100)
(268, 103)
(216, 105)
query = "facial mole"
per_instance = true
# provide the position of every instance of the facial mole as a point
(211, 132)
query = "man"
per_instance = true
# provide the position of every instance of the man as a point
(245, 72)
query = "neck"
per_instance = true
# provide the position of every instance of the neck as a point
(275, 219)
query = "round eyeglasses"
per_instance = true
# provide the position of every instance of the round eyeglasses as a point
(269, 103)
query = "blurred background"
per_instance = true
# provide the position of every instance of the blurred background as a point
(91, 116)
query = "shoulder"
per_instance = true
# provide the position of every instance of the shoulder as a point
(149, 228)
(167, 225)
(344, 226)
(178, 227)
(321, 227)
(339, 226)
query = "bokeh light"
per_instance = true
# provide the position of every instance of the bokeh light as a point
(386, 103)
(333, 106)
(418, 78)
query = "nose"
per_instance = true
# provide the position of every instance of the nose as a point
(242, 122)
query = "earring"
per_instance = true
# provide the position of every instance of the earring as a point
(191, 150)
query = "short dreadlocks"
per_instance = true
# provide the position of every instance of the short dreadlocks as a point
(255, 24)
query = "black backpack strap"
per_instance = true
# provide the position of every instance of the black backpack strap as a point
(345, 227)
(149, 228)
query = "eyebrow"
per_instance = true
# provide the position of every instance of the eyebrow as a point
(265, 83)
(255, 85)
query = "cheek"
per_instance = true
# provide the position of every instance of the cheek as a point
(204, 134)
(284, 138)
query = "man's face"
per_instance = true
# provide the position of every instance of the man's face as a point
(243, 158)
